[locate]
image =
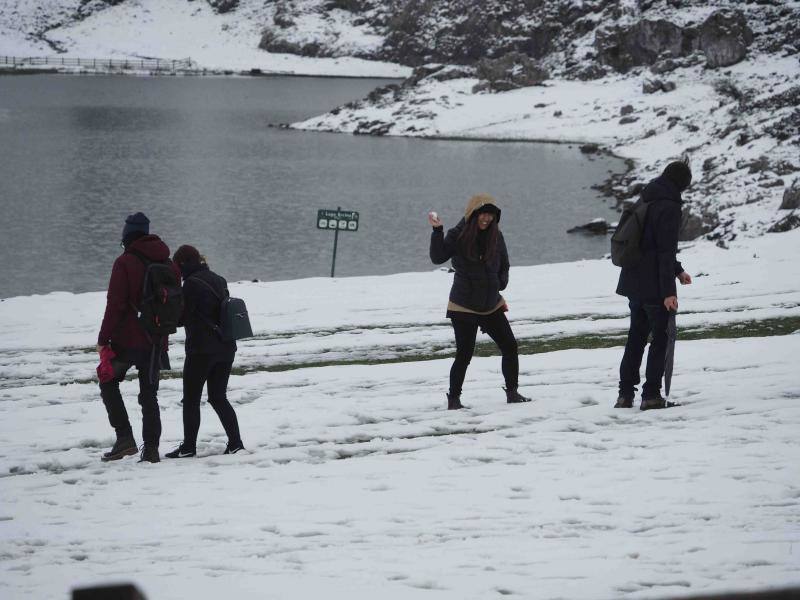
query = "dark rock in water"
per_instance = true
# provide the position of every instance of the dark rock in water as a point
(641, 43)
(595, 226)
(589, 148)
(791, 196)
(724, 37)
(514, 70)
(787, 223)
(626, 110)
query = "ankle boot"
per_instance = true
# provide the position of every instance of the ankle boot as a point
(513, 396)
(124, 446)
(454, 402)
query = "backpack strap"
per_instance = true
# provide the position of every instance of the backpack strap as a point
(214, 327)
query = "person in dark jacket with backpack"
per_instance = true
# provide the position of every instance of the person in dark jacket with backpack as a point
(209, 359)
(480, 260)
(130, 344)
(650, 287)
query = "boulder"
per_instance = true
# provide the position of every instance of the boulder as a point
(625, 110)
(642, 43)
(791, 196)
(724, 37)
(223, 6)
(651, 86)
(595, 226)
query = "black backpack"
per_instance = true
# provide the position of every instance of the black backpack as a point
(234, 322)
(161, 305)
(626, 241)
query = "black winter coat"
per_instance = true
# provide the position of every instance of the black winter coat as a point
(476, 284)
(201, 310)
(653, 279)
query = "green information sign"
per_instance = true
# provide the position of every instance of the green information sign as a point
(336, 221)
(340, 220)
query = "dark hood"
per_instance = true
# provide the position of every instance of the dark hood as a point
(661, 188)
(151, 247)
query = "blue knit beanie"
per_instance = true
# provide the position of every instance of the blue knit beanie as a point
(136, 223)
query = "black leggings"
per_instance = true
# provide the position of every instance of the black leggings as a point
(216, 369)
(496, 326)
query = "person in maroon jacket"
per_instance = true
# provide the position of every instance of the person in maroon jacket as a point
(130, 343)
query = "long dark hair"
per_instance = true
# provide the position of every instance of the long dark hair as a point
(468, 240)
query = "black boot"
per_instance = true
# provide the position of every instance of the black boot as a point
(150, 454)
(513, 396)
(624, 402)
(124, 446)
(454, 402)
(656, 402)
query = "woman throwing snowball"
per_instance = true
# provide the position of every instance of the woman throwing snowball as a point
(480, 261)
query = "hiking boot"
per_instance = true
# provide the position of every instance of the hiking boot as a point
(655, 402)
(233, 447)
(182, 451)
(623, 402)
(150, 454)
(454, 402)
(513, 396)
(124, 446)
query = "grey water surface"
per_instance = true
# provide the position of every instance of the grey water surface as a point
(199, 157)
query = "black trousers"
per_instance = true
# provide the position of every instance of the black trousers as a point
(647, 319)
(496, 326)
(148, 399)
(213, 369)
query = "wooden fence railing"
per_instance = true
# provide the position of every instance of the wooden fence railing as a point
(142, 64)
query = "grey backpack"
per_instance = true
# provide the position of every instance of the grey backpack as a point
(626, 241)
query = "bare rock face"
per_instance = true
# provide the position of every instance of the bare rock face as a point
(514, 70)
(787, 223)
(791, 196)
(694, 225)
(724, 38)
(638, 44)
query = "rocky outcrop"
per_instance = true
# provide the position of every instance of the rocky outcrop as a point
(723, 38)
(514, 70)
(626, 46)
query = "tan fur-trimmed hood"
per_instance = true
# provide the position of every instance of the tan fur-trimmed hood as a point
(478, 201)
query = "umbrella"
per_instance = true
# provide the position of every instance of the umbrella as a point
(669, 356)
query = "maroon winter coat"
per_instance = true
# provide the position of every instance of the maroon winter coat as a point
(120, 326)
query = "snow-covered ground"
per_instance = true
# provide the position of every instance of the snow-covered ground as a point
(563, 498)
(171, 30)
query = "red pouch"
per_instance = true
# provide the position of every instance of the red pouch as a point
(105, 370)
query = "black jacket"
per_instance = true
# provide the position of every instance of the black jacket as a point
(653, 279)
(201, 310)
(476, 284)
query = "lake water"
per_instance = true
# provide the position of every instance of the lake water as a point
(198, 156)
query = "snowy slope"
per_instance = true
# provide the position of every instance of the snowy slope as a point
(356, 480)
(170, 30)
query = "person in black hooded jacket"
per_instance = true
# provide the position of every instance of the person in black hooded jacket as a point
(650, 287)
(209, 359)
(480, 260)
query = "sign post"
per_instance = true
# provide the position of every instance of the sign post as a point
(338, 220)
